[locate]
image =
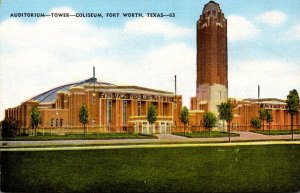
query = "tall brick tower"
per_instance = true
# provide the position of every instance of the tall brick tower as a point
(212, 81)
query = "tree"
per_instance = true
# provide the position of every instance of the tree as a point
(222, 113)
(35, 116)
(262, 117)
(184, 116)
(151, 115)
(292, 107)
(255, 122)
(226, 113)
(209, 121)
(84, 117)
(269, 118)
(10, 128)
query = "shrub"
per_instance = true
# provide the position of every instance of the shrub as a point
(256, 122)
(10, 128)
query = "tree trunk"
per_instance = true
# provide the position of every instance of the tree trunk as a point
(292, 124)
(223, 125)
(35, 131)
(84, 130)
(263, 125)
(229, 131)
(209, 131)
(269, 127)
(184, 128)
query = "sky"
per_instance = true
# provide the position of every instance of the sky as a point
(37, 54)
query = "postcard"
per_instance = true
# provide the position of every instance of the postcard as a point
(107, 78)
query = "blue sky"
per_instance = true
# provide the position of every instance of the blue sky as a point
(41, 53)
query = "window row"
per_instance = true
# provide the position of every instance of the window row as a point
(58, 122)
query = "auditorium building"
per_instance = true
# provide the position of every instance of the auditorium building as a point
(115, 108)
(111, 108)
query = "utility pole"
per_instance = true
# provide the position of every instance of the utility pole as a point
(175, 101)
(258, 94)
(175, 85)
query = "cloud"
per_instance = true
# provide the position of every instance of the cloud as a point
(276, 78)
(154, 69)
(162, 64)
(240, 28)
(38, 56)
(294, 32)
(155, 26)
(272, 18)
(60, 35)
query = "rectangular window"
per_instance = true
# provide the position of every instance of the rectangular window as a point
(154, 104)
(278, 116)
(109, 111)
(165, 109)
(124, 113)
(139, 108)
(93, 123)
(52, 122)
(61, 122)
(56, 122)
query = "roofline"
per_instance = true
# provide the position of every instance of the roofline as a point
(55, 89)
(145, 88)
(265, 99)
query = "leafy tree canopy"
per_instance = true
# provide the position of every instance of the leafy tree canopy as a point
(209, 120)
(226, 111)
(262, 114)
(10, 127)
(84, 114)
(255, 122)
(293, 102)
(151, 115)
(184, 115)
(269, 116)
(35, 116)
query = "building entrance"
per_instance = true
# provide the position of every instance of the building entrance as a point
(164, 128)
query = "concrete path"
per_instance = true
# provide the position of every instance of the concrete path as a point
(130, 146)
(170, 137)
(162, 138)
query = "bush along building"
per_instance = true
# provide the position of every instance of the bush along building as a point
(113, 108)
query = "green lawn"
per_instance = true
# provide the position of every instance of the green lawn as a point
(277, 132)
(81, 136)
(265, 168)
(205, 134)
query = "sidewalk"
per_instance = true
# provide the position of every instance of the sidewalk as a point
(162, 138)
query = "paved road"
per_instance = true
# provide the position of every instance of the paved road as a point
(162, 138)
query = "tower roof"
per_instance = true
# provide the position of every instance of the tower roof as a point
(211, 5)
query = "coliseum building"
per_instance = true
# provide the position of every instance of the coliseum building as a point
(115, 108)
(111, 108)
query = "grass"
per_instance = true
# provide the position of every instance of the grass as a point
(277, 132)
(267, 168)
(205, 134)
(102, 136)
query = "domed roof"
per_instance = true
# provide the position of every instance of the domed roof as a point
(50, 95)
